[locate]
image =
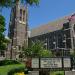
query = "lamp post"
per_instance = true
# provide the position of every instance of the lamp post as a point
(57, 43)
(64, 41)
(45, 43)
(14, 49)
(54, 44)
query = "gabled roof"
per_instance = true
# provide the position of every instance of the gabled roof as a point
(50, 27)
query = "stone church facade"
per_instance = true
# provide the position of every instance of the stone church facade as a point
(18, 28)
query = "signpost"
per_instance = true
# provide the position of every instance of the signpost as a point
(55, 63)
(44, 65)
(35, 63)
(51, 63)
(66, 63)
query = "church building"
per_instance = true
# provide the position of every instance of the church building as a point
(58, 36)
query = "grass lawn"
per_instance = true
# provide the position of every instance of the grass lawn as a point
(56, 72)
(5, 69)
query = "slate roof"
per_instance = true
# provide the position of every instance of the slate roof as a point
(50, 27)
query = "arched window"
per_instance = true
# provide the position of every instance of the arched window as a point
(20, 14)
(23, 15)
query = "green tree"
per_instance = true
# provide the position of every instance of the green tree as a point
(8, 3)
(37, 47)
(46, 53)
(2, 24)
(3, 40)
(5, 3)
(33, 49)
(30, 2)
(36, 50)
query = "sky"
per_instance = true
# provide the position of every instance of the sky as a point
(47, 11)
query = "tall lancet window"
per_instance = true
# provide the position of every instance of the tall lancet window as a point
(23, 15)
(20, 14)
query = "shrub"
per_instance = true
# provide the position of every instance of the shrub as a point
(8, 62)
(59, 74)
(19, 73)
(16, 70)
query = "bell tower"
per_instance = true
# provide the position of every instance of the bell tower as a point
(18, 28)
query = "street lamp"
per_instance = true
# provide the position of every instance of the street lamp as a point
(64, 41)
(45, 43)
(54, 44)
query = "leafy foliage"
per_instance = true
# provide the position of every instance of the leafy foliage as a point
(3, 40)
(33, 50)
(5, 69)
(8, 62)
(16, 70)
(32, 2)
(37, 50)
(2, 24)
(72, 52)
(5, 3)
(8, 3)
(46, 53)
(59, 74)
